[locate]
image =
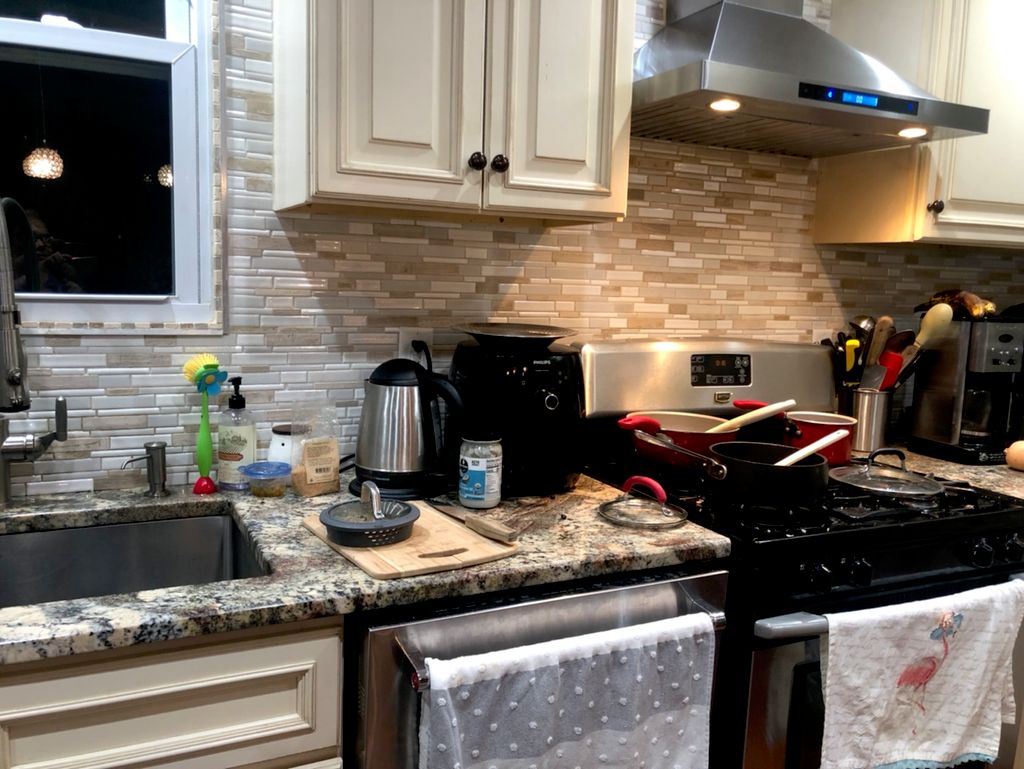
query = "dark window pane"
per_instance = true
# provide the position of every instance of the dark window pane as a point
(105, 225)
(135, 17)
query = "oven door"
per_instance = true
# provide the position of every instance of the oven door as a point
(392, 673)
(786, 709)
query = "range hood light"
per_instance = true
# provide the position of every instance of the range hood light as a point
(725, 105)
(913, 133)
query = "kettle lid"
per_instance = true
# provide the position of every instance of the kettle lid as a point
(397, 372)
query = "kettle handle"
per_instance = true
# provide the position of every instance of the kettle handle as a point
(432, 386)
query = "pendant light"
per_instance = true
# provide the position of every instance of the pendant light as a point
(43, 162)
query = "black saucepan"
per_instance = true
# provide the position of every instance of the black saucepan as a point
(753, 478)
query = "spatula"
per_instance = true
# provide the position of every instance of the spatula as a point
(752, 416)
(810, 448)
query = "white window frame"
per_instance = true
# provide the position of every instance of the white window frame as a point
(187, 50)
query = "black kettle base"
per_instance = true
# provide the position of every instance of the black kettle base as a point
(420, 487)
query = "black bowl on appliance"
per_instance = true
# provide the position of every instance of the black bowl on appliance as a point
(753, 477)
(531, 397)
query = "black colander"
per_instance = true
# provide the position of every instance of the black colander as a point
(352, 524)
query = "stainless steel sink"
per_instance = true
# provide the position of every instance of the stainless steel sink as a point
(40, 566)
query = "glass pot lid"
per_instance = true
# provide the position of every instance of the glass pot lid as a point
(885, 479)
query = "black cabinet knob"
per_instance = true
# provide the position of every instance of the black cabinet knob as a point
(936, 206)
(477, 161)
(499, 163)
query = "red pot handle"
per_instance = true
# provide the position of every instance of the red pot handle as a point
(643, 424)
(745, 405)
(650, 483)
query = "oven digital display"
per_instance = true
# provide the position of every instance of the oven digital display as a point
(719, 370)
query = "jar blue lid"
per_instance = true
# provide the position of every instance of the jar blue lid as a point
(265, 469)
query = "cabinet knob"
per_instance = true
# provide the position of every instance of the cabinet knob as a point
(477, 161)
(499, 163)
(936, 206)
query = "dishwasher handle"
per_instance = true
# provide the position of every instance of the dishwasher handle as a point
(419, 678)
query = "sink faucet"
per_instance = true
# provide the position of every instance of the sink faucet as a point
(16, 240)
(21, 448)
(156, 467)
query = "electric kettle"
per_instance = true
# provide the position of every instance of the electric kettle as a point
(398, 447)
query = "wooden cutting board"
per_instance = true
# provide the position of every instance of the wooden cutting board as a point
(438, 543)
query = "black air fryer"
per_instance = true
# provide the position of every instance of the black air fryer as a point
(528, 392)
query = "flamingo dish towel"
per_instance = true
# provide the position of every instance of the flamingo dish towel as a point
(630, 697)
(921, 685)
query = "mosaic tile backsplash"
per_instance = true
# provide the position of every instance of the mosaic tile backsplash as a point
(715, 242)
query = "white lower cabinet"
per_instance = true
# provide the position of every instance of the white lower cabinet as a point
(266, 701)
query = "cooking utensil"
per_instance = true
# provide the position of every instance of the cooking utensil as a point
(680, 429)
(851, 354)
(357, 524)
(806, 427)
(884, 328)
(711, 468)
(811, 448)
(893, 362)
(752, 416)
(642, 512)
(933, 327)
(886, 479)
(487, 527)
(899, 341)
(873, 377)
(862, 326)
(755, 480)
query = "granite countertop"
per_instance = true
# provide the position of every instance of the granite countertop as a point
(566, 540)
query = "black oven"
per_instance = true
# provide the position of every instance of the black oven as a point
(853, 550)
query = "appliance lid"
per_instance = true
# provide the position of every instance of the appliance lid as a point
(801, 91)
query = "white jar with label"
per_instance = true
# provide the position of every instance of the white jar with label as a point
(480, 473)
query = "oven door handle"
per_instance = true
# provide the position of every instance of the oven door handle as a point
(802, 624)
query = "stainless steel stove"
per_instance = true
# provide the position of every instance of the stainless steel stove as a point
(851, 549)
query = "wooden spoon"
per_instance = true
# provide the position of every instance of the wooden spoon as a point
(752, 416)
(933, 326)
(810, 448)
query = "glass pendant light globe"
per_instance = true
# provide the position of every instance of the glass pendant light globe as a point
(165, 175)
(43, 163)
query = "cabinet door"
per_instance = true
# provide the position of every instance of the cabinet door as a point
(978, 178)
(398, 100)
(558, 99)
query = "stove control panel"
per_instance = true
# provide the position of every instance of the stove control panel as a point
(718, 370)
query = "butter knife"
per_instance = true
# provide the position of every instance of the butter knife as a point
(486, 527)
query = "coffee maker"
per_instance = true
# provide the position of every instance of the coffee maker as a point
(967, 393)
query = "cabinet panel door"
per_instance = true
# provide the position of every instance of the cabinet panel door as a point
(399, 94)
(559, 91)
(981, 184)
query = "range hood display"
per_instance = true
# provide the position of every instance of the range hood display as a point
(779, 84)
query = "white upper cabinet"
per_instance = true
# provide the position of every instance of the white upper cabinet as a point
(459, 105)
(961, 190)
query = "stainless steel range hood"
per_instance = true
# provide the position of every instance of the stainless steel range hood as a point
(802, 92)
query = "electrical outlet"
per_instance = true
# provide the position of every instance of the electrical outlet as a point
(405, 337)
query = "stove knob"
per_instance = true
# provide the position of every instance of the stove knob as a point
(1013, 549)
(982, 554)
(859, 571)
(819, 577)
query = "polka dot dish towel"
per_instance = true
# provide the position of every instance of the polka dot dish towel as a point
(629, 697)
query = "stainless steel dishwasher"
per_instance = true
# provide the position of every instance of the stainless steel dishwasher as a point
(392, 674)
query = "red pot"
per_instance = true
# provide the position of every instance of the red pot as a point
(805, 427)
(682, 428)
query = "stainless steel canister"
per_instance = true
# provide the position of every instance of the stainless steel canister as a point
(871, 409)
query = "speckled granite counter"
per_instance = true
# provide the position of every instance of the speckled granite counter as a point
(567, 540)
(994, 477)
